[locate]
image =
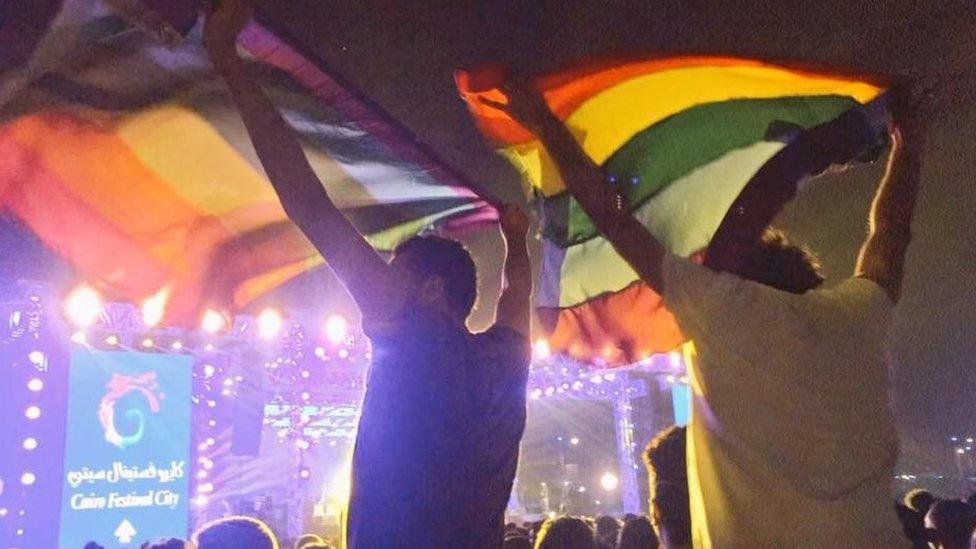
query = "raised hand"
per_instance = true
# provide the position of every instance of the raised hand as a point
(225, 19)
(525, 104)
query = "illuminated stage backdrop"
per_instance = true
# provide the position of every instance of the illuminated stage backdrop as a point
(126, 465)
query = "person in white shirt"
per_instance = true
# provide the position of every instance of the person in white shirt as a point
(792, 441)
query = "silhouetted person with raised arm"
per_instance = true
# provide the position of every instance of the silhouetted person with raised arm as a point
(437, 442)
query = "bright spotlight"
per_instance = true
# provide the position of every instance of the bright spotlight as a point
(535, 393)
(32, 412)
(30, 443)
(574, 441)
(269, 323)
(27, 478)
(304, 472)
(37, 358)
(148, 343)
(541, 350)
(336, 328)
(609, 481)
(79, 338)
(112, 340)
(212, 322)
(200, 500)
(82, 306)
(35, 384)
(154, 307)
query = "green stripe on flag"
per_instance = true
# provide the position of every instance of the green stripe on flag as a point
(674, 147)
(684, 216)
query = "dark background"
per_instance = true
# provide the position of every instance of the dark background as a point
(402, 54)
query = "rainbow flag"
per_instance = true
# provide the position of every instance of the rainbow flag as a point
(681, 137)
(129, 160)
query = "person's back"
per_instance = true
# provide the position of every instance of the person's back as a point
(794, 443)
(444, 411)
(950, 523)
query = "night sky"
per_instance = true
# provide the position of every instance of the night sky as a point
(402, 54)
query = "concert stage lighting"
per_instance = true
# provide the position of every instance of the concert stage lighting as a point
(336, 328)
(82, 306)
(540, 349)
(32, 412)
(154, 307)
(269, 323)
(212, 322)
(35, 384)
(609, 481)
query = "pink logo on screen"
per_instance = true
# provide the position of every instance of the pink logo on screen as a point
(144, 384)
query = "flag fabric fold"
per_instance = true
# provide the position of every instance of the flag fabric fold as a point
(129, 160)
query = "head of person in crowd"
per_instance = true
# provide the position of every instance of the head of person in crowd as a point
(565, 533)
(171, 543)
(442, 273)
(236, 531)
(919, 500)
(780, 264)
(307, 539)
(607, 530)
(93, 545)
(912, 525)
(950, 524)
(637, 534)
(668, 477)
(516, 542)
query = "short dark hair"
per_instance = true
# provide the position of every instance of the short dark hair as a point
(778, 263)
(565, 533)
(448, 260)
(637, 534)
(235, 531)
(667, 471)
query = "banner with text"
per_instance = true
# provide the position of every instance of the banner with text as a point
(126, 464)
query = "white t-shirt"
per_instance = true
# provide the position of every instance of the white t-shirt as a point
(792, 442)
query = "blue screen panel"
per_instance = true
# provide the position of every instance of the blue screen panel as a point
(126, 464)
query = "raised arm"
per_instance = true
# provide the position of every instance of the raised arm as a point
(587, 183)
(514, 308)
(372, 283)
(882, 257)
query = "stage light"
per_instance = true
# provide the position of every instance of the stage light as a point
(200, 500)
(209, 347)
(304, 472)
(320, 352)
(82, 306)
(610, 376)
(597, 379)
(609, 481)
(201, 474)
(581, 489)
(574, 441)
(177, 346)
(212, 322)
(112, 340)
(305, 395)
(3, 512)
(27, 478)
(30, 443)
(269, 323)
(960, 451)
(302, 444)
(305, 374)
(336, 328)
(154, 307)
(37, 358)
(35, 384)
(208, 370)
(674, 357)
(211, 403)
(550, 391)
(535, 393)
(343, 353)
(79, 338)
(669, 379)
(577, 385)
(148, 343)
(205, 488)
(32, 412)
(541, 350)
